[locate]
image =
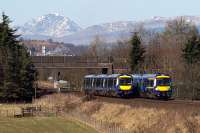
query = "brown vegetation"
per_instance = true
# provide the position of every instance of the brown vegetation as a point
(141, 117)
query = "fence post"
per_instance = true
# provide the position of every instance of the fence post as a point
(193, 93)
(177, 92)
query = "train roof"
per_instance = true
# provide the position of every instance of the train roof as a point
(104, 76)
(144, 75)
(147, 75)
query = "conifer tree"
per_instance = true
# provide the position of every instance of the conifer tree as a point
(137, 53)
(191, 52)
(18, 70)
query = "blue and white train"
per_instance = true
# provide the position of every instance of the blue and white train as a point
(153, 85)
(125, 85)
(109, 85)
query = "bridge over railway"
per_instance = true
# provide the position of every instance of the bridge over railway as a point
(65, 65)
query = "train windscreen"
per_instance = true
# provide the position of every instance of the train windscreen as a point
(163, 81)
(125, 81)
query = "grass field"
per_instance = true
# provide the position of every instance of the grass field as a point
(42, 125)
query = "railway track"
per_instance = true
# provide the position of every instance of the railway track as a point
(170, 101)
(142, 102)
(145, 100)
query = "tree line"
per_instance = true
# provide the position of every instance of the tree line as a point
(17, 72)
(175, 51)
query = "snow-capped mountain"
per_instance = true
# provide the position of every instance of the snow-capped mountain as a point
(50, 25)
(61, 28)
(111, 32)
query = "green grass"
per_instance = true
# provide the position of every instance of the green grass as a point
(42, 125)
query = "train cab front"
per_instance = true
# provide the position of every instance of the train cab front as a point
(163, 87)
(125, 85)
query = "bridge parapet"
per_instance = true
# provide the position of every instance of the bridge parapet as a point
(70, 59)
(52, 65)
(71, 62)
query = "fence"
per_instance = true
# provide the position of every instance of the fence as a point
(99, 125)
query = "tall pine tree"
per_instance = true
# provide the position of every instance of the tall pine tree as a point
(137, 53)
(18, 69)
(191, 51)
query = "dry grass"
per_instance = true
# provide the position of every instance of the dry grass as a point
(56, 100)
(144, 118)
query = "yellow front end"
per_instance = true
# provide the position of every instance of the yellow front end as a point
(163, 83)
(125, 87)
(125, 83)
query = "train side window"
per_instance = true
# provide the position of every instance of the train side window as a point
(105, 83)
(94, 83)
(114, 82)
(90, 83)
(110, 82)
(101, 83)
(98, 83)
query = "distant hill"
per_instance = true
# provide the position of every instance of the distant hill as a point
(62, 29)
(50, 25)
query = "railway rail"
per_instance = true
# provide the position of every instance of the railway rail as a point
(135, 102)
(143, 102)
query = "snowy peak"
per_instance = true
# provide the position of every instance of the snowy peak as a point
(193, 19)
(53, 25)
(61, 28)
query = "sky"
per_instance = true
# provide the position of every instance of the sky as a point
(90, 12)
